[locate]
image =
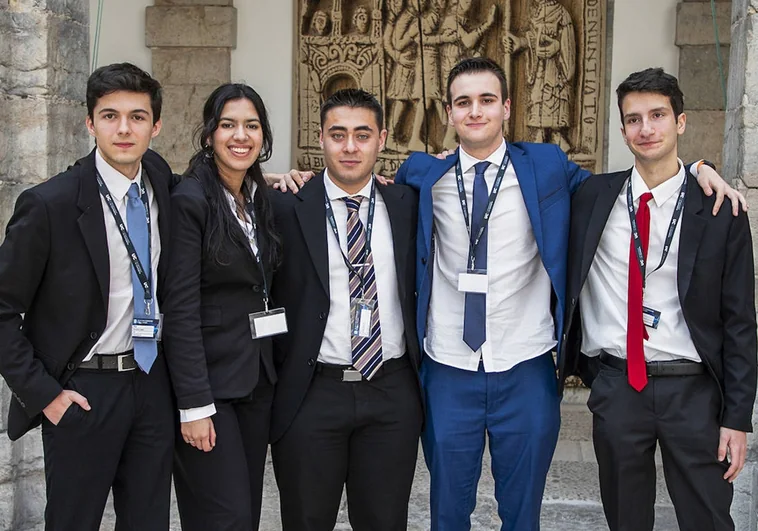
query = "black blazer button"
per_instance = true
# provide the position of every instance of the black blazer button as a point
(322, 316)
(415, 294)
(573, 301)
(256, 288)
(311, 362)
(70, 366)
(93, 335)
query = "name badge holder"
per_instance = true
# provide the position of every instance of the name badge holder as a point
(271, 321)
(361, 309)
(142, 327)
(650, 316)
(475, 280)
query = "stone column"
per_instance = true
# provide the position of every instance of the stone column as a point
(191, 41)
(44, 50)
(741, 165)
(699, 76)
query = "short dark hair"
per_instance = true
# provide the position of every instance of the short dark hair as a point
(123, 76)
(356, 99)
(653, 80)
(475, 65)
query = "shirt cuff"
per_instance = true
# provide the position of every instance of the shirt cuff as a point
(197, 413)
(695, 167)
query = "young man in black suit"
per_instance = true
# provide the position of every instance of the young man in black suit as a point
(347, 406)
(80, 272)
(662, 322)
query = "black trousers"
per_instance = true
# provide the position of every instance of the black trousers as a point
(221, 490)
(125, 441)
(681, 413)
(362, 435)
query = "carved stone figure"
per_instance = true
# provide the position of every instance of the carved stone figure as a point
(402, 53)
(551, 60)
(319, 22)
(361, 20)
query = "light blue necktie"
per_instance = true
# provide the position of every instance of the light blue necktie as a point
(145, 349)
(475, 307)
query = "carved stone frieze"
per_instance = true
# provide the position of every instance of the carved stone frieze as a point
(402, 51)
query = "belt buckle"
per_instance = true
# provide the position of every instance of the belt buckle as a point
(351, 375)
(120, 360)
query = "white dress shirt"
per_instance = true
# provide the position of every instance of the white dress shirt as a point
(519, 322)
(336, 344)
(117, 336)
(603, 299)
(197, 413)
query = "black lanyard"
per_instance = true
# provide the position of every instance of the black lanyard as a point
(474, 239)
(669, 235)
(145, 277)
(369, 231)
(258, 253)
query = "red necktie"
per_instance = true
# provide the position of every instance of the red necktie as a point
(636, 331)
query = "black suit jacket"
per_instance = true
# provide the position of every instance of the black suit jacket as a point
(302, 285)
(54, 269)
(209, 348)
(715, 281)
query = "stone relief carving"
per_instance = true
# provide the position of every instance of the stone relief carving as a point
(403, 50)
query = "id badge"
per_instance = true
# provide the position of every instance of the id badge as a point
(651, 317)
(361, 313)
(159, 333)
(473, 281)
(145, 328)
(268, 323)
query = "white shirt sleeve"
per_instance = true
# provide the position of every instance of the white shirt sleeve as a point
(197, 413)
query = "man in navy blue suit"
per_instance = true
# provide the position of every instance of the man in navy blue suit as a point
(492, 249)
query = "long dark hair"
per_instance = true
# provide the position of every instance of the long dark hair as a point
(222, 224)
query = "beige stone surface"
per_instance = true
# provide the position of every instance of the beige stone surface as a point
(190, 26)
(704, 137)
(694, 23)
(204, 66)
(194, 2)
(699, 77)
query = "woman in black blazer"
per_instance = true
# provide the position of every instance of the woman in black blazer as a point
(223, 252)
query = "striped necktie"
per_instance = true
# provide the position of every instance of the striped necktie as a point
(367, 351)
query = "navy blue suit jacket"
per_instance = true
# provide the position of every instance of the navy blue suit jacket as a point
(546, 178)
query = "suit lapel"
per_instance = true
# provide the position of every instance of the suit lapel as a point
(690, 235)
(159, 184)
(399, 222)
(311, 214)
(601, 210)
(437, 170)
(92, 224)
(528, 184)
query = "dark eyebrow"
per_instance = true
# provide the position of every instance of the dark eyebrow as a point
(337, 128)
(224, 118)
(133, 111)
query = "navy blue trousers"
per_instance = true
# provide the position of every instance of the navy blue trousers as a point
(518, 410)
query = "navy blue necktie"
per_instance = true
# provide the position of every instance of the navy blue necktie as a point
(475, 308)
(145, 349)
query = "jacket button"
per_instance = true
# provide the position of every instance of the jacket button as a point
(256, 288)
(322, 316)
(423, 261)
(93, 335)
(311, 362)
(70, 366)
(573, 301)
(415, 294)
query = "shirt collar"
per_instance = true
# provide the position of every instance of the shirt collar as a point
(233, 201)
(495, 158)
(118, 183)
(334, 192)
(661, 193)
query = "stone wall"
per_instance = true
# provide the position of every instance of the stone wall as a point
(43, 73)
(741, 165)
(699, 76)
(191, 42)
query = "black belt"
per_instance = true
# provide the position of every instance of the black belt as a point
(347, 373)
(110, 362)
(657, 368)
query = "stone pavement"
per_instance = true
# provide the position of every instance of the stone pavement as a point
(572, 496)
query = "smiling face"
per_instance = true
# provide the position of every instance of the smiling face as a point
(650, 126)
(122, 125)
(238, 139)
(351, 140)
(477, 112)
